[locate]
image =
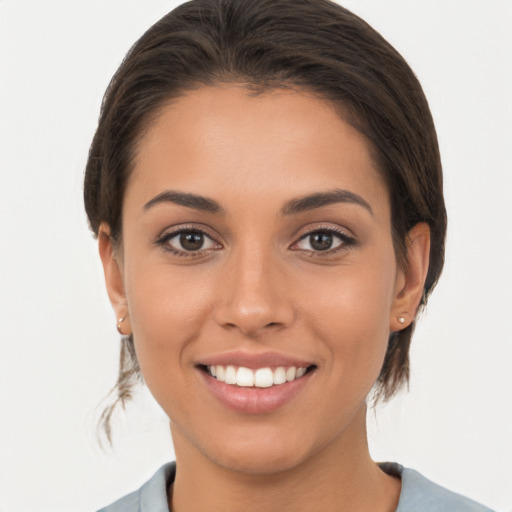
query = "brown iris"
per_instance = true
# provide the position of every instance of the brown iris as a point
(192, 240)
(321, 241)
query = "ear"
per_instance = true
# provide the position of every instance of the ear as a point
(112, 268)
(410, 280)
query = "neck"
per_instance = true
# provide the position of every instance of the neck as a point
(339, 477)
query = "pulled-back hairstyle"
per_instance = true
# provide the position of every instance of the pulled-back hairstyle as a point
(312, 45)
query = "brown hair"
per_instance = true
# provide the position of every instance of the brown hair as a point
(315, 45)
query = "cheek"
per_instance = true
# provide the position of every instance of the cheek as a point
(350, 316)
(166, 309)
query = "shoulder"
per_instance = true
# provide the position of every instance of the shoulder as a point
(151, 497)
(422, 495)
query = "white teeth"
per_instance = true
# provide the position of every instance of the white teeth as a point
(263, 378)
(290, 373)
(230, 376)
(260, 378)
(244, 377)
(279, 375)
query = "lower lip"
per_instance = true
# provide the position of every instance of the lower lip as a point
(253, 400)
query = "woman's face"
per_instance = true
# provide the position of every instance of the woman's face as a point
(257, 235)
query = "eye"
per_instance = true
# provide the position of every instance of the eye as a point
(187, 241)
(323, 240)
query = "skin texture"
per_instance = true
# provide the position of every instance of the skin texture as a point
(257, 285)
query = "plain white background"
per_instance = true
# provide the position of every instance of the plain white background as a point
(59, 345)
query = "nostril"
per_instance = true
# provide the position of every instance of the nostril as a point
(251, 314)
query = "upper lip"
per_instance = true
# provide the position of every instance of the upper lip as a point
(254, 360)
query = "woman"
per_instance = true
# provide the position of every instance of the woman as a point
(265, 185)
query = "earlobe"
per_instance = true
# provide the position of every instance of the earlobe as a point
(114, 279)
(412, 279)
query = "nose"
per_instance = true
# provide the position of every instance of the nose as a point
(253, 298)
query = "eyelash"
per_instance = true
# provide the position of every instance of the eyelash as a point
(163, 242)
(346, 241)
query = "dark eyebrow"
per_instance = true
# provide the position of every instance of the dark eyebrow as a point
(201, 203)
(319, 199)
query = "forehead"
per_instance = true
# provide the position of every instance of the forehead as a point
(215, 140)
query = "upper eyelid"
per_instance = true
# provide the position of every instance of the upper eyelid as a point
(347, 240)
(163, 242)
(337, 230)
(171, 232)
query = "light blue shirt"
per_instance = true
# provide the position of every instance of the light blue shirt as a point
(418, 494)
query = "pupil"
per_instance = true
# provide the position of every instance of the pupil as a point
(321, 241)
(191, 241)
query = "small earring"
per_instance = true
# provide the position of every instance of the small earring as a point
(119, 322)
(401, 320)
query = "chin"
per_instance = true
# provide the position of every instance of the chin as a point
(263, 449)
(257, 461)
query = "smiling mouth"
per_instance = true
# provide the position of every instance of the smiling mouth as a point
(265, 377)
